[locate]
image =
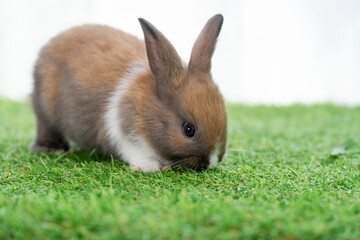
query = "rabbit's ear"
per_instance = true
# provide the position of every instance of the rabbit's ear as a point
(204, 46)
(164, 61)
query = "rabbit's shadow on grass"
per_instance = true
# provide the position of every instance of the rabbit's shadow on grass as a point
(78, 156)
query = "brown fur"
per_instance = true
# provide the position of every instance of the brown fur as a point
(76, 73)
(184, 95)
(204, 46)
(95, 51)
(79, 70)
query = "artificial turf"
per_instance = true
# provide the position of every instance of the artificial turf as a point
(289, 173)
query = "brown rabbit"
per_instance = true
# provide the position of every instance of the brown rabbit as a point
(103, 88)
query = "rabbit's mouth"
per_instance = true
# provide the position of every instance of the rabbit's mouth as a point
(194, 162)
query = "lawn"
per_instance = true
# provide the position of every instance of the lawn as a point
(289, 173)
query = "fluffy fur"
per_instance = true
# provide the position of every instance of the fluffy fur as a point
(106, 89)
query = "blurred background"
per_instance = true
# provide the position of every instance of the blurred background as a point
(269, 52)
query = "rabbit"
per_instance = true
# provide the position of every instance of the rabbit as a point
(137, 100)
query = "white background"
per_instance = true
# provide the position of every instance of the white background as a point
(269, 52)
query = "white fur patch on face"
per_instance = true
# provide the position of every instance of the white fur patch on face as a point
(137, 152)
(214, 156)
(133, 148)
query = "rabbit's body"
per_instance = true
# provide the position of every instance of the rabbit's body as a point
(94, 85)
(77, 79)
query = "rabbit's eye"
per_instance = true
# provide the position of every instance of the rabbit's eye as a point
(189, 130)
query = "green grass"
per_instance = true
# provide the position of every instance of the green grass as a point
(278, 181)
